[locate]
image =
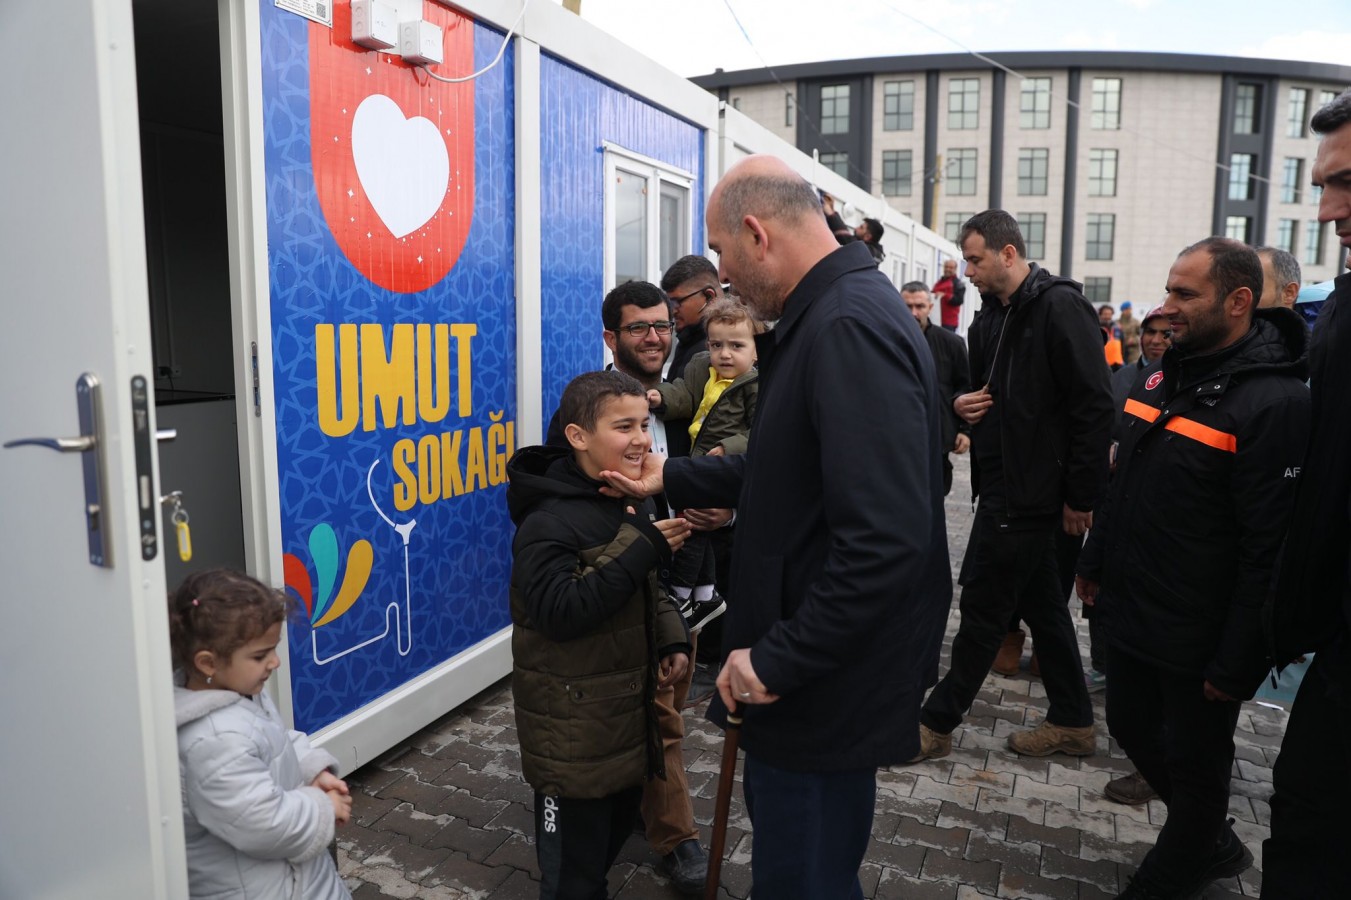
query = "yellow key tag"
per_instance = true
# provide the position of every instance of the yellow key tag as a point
(184, 536)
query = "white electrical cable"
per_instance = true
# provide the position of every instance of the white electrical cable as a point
(497, 59)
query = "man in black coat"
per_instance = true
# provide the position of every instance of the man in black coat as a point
(691, 283)
(1306, 853)
(951, 367)
(1040, 427)
(1185, 546)
(840, 565)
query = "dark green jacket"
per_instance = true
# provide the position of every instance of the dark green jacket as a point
(589, 623)
(729, 421)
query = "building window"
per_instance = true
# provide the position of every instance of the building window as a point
(1034, 110)
(1240, 176)
(1102, 173)
(1313, 243)
(1101, 233)
(898, 106)
(952, 224)
(1247, 108)
(1285, 235)
(835, 109)
(1237, 227)
(837, 163)
(1032, 163)
(896, 172)
(1297, 112)
(736, 103)
(1326, 97)
(1033, 227)
(1106, 104)
(788, 103)
(961, 177)
(1292, 178)
(648, 211)
(963, 103)
(1098, 291)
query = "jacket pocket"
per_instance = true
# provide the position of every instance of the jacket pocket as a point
(606, 715)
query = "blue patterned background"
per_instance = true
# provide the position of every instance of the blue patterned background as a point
(578, 113)
(459, 551)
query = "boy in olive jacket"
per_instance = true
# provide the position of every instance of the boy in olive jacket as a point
(593, 634)
(717, 393)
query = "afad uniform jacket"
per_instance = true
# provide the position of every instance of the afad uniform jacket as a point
(1185, 546)
(589, 622)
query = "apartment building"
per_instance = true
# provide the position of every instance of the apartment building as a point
(1111, 161)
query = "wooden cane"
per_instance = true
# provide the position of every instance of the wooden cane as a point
(722, 805)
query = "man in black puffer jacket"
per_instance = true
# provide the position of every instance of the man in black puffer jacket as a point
(1212, 443)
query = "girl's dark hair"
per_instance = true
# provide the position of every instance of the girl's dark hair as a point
(221, 610)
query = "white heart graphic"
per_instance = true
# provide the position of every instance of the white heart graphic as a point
(402, 164)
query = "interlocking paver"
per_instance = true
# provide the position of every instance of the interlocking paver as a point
(446, 815)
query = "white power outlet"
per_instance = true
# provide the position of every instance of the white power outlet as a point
(375, 24)
(420, 43)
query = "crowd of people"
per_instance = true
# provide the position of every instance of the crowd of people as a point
(780, 478)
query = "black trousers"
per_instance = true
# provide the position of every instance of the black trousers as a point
(1183, 744)
(1011, 572)
(1306, 855)
(576, 842)
(695, 563)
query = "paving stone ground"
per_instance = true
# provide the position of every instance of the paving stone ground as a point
(446, 815)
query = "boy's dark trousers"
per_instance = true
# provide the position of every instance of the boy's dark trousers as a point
(576, 842)
(1183, 744)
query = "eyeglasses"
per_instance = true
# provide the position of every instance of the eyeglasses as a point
(640, 329)
(702, 290)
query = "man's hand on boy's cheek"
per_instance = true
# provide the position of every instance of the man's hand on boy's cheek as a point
(707, 519)
(671, 668)
(649, 482)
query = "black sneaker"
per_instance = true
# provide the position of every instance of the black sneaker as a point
(686, 866)
(699, 613)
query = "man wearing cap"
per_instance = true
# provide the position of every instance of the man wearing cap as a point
(1153, 337)
(1130, 335)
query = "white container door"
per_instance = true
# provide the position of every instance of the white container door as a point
(91, 804)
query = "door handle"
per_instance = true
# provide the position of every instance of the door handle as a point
(90, 445)
(61, 445)
(166, 434)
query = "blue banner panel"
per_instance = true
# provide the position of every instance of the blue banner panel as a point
(390, 229)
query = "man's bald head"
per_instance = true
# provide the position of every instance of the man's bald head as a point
(764, 187)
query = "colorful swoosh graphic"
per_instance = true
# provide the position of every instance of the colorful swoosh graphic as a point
(323, 607)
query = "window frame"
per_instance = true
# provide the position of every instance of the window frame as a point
(896, 180)
(1030, 223)
(1028, 158)
(656, 174)
(1100, 179)
(835, 101)
(1292, 180)
(1035, 117)
(1240, 175)
(895, 119)
(1297, 124)
(963, 178)
(1252, 115)
(969, 118)
(1093, 290)
(1100, 113)
(1093, 239)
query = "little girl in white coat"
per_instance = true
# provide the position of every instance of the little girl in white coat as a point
(259, 803)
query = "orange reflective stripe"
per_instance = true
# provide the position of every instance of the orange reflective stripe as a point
(1141, 410)
(1220, 440)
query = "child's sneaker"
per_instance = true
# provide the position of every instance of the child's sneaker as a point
(1095, 681)
(699, 613)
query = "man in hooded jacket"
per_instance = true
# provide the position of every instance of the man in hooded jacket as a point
(1211, 447)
